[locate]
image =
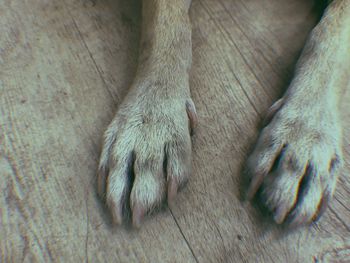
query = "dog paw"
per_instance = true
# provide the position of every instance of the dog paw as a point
(296, 161)
(146, 155)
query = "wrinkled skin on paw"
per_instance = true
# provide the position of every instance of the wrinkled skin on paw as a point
(146, 155)
(296, 160)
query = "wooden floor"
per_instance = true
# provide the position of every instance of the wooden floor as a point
(64, 68)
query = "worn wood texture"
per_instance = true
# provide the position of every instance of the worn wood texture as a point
(64, 68)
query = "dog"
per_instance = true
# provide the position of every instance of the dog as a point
(146, 154)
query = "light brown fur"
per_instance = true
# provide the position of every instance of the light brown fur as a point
(147, 148)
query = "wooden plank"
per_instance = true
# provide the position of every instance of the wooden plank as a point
(64, 68)
(227, 64)
(55, 104)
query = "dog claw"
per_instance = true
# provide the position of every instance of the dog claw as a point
(280, 214)
(101, 181)
(254, 186)
(272, 111)
(192, 115)
(116, 214)
(138, 214)
(172, 191)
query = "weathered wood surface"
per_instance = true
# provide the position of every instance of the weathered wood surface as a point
(64, 68)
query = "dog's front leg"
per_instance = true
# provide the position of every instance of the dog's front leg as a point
(298, 155)
(147, 148)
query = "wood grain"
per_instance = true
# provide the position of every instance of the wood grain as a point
(64, 68)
